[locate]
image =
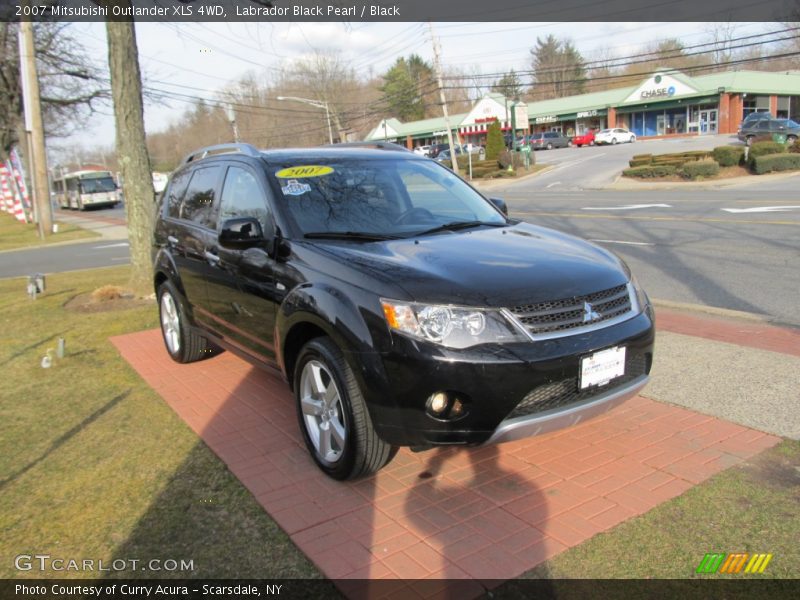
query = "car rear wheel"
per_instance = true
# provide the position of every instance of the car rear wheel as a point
(632, 139)
(613, 141)
(333, 416)
(183, 343)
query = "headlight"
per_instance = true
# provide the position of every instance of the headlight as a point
(641, 297)
(451, 326)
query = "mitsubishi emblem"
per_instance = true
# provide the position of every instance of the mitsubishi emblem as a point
(589, 313)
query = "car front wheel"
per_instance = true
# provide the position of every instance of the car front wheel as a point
(183, 343)
(613, 141)
(333, 416)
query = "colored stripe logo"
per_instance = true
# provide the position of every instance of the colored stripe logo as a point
(737, 562)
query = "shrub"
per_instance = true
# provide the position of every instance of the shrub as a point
(795, 148)
(729, 156)
(651, 171)
(638, 162)
(764, 148)
(776, 162)
(642, 156)
(494, 141)
(699, 169)
(110, 292)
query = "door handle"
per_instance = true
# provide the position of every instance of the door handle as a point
(211, 257)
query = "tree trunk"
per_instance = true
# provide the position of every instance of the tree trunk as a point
(132, 157)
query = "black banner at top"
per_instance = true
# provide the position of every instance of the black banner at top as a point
(355, 11)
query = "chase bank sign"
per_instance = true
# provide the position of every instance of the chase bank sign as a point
(664, 92)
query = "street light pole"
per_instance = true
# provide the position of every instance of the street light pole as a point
(317, 104)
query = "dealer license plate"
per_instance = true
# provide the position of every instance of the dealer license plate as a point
(601, 367)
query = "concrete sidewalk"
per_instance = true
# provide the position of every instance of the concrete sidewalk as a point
(720, 390)
(109, 228)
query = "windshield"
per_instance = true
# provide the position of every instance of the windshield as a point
(387, 197)
(93, 186)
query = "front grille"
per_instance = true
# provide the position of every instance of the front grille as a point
(572, 313)
(566, 391)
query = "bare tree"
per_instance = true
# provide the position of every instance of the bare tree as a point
(71, 83)
(134, 162)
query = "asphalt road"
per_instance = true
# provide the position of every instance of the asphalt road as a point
(67, 257)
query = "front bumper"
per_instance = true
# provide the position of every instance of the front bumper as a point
(510, 391)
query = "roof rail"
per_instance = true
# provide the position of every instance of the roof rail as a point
(374, 145)
(247, 149)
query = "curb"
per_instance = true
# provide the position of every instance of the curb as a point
(479, 184)
(712, 310)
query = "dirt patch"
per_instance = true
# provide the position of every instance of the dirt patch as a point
(775, 470)
(105, 299)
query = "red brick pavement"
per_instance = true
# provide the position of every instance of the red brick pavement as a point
(474, 514)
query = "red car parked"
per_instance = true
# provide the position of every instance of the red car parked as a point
(587, 139)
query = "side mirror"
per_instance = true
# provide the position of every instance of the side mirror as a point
(500, 204)
(241, 233)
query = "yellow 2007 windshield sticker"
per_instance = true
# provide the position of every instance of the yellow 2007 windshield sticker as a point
(304, 171)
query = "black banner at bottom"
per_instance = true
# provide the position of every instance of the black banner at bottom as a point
(441, 589)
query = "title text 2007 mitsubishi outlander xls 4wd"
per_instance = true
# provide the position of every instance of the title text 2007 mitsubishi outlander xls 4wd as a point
(403, 307)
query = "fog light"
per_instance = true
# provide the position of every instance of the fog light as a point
(438, 403)
(457, 409)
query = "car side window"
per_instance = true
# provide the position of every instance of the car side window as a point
(762, 125)
(177, 187)
(242, 196)
(198, 202)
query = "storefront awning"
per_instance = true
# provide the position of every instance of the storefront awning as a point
(665, 105)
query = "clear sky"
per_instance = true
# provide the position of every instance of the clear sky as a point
(207, 56)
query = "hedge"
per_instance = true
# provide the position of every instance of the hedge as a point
(699, 169)
(729, 156)
(765, 148)
(794, 147)
(776, 162)
(638, 162)
(651, 171)
(639, 156)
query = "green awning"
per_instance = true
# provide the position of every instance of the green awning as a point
(648, 106)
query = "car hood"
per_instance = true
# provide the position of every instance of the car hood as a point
(493, 267)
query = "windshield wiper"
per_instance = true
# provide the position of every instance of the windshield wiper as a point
(364, 236)
(457, 225)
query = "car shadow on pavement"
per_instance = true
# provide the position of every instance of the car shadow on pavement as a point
(437, 515)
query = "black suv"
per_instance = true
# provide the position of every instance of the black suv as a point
(403, 307)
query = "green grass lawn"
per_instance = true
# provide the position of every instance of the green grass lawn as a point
(93, 464)
(14, 234)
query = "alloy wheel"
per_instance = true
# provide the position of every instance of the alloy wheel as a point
(170, 323)
(323, 413)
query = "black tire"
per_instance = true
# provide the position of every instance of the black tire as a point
(791, 139)
(191, 346)
(363, 452)
(549, 146)
(613, 141)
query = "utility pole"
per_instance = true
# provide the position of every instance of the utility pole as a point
(438, 68)
(34, 128)
(232, 119)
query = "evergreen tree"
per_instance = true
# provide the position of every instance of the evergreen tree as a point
(558, 68)
(494, 141)
(406, 85)
(509, 85)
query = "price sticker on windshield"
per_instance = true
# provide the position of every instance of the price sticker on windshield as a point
(304, 171)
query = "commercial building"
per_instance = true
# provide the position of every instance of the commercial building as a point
(668, 103)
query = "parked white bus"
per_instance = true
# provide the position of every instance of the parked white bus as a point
(81, 189)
